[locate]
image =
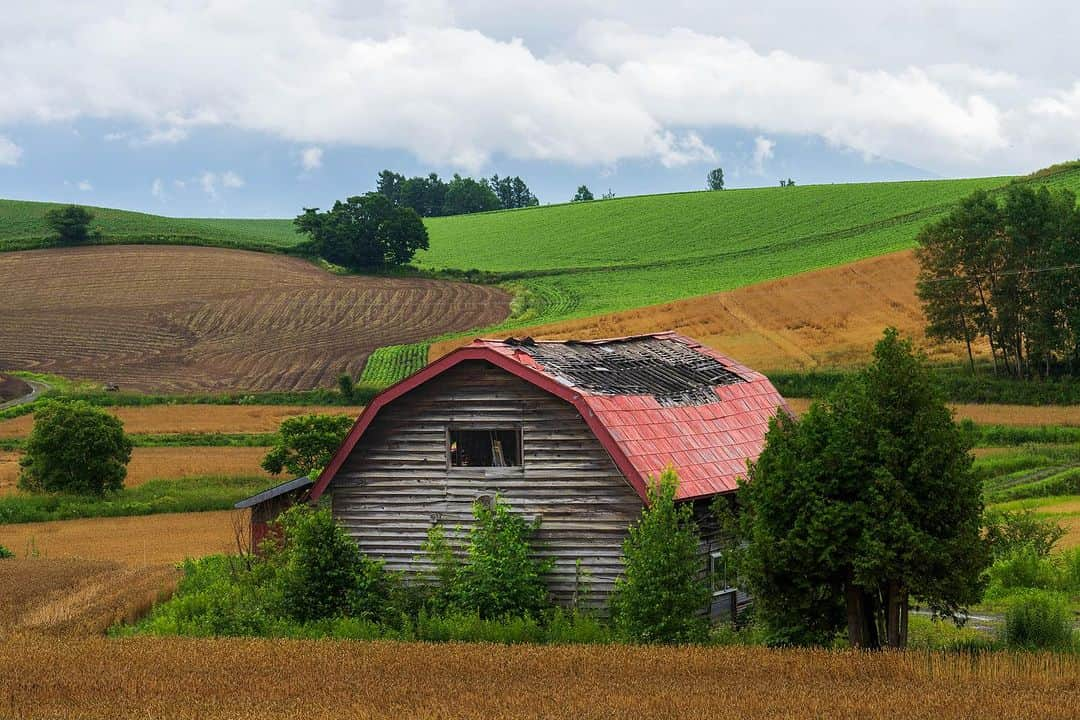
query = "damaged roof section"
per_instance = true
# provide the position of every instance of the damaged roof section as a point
(663, 367)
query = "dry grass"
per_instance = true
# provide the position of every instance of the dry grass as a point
(1024, 415)
(235, 678)
(151, 463)
(132, 541)
(176, 319)
(829, 317)
(153, 419)
(78, 597)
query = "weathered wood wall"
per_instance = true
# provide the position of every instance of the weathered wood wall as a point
(397, 484)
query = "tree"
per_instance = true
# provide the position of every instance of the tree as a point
(787, 183)
(306, 443)
(364, 232)
(583, 194)
(512, 192)
(716, 179)
(71, 224)
(465, 195)
(662, 594)
(75, 448)
(867, 500)
(1006, 272)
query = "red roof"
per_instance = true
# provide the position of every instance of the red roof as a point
(701, 412)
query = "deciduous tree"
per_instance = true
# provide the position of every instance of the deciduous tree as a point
(306, 443)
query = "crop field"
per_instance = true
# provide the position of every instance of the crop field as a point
(989, 414)
(11, 388)
(162, 419)
(389, 364)
(184, 319)
(154, 463)
(829, 317)
(132, 541)
(172, 678)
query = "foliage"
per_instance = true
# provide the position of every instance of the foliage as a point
(346, 386)
(306, 443)
(391, 363)
(321, 571)
(865, 500)
(364, 232)
(5, 553)
(716, 179)
(787, 183)
(1009, 532)
(1005, 272)
(583, 194)
(512, 192)
(938, 634)
(1025, 569)
(191, 494)
(75, 448)
(1038, 621)
(431, 196)
(500, 575)
(70, 224)
(662, 595)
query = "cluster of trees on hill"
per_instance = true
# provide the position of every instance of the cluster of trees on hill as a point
(1008, 273)
(432, 196)
(364, 232)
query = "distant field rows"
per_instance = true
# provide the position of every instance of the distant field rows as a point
(990, 414)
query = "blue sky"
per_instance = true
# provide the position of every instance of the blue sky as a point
(243, 108)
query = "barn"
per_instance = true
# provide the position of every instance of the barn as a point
(568, 432)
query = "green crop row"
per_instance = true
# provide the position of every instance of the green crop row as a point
(389, 364)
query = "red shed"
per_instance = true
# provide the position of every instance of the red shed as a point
(567, 431)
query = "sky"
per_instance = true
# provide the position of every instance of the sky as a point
(259, 108)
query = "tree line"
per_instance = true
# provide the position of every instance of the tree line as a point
(1008, 273)
(431, 196)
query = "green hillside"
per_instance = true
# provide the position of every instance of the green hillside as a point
(576, 260)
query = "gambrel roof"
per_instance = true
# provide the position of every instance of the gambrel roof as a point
(651, 400)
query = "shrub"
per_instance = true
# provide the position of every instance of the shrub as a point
(322, 571)
(5, 553)
(1038, 621)
(1007, 532)
(501, 576)
(346, 386)
(71, 224)
(661, 597)
(1023, 568)
(306, 443)
(75, 448)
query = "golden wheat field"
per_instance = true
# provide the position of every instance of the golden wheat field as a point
(133, 541)
(829, 317)
(989, 414)
(181, 418)
(236, 678)
(177, 319)
(156, 463)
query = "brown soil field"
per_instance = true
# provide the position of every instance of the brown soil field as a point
(194, 418)
(251, 678)
(159, 463)
(132, 541)
(990, 414)
(825, 318)
(77, 597)
(11, 388)
(183, 319)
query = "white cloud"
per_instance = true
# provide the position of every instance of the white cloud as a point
(230, 179)
(10, 153)
(401, 75)
(157, 189)
(311, 158)
(84, 186)
(763, 150)
(210, 181)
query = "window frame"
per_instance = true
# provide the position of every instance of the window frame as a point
(485, 427)
(717, 590)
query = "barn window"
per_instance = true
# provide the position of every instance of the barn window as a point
(484, 447)
(723, 580)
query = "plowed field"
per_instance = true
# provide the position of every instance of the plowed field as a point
(824, 318)
(181, 319)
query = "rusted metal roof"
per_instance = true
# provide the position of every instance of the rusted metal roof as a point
(276, 491)
(651, 400)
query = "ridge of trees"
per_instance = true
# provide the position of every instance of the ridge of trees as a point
(1007, 273)
(431, 196)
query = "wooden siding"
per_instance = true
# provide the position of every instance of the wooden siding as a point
(396, 484)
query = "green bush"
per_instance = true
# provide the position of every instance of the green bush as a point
(322, 572)
(662, 595)
(1023, 568)
(5, 553)
(940, 634)
(500, 575)
(1038, 621)
(1008, 532)
(306, 443)
(75, 448)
